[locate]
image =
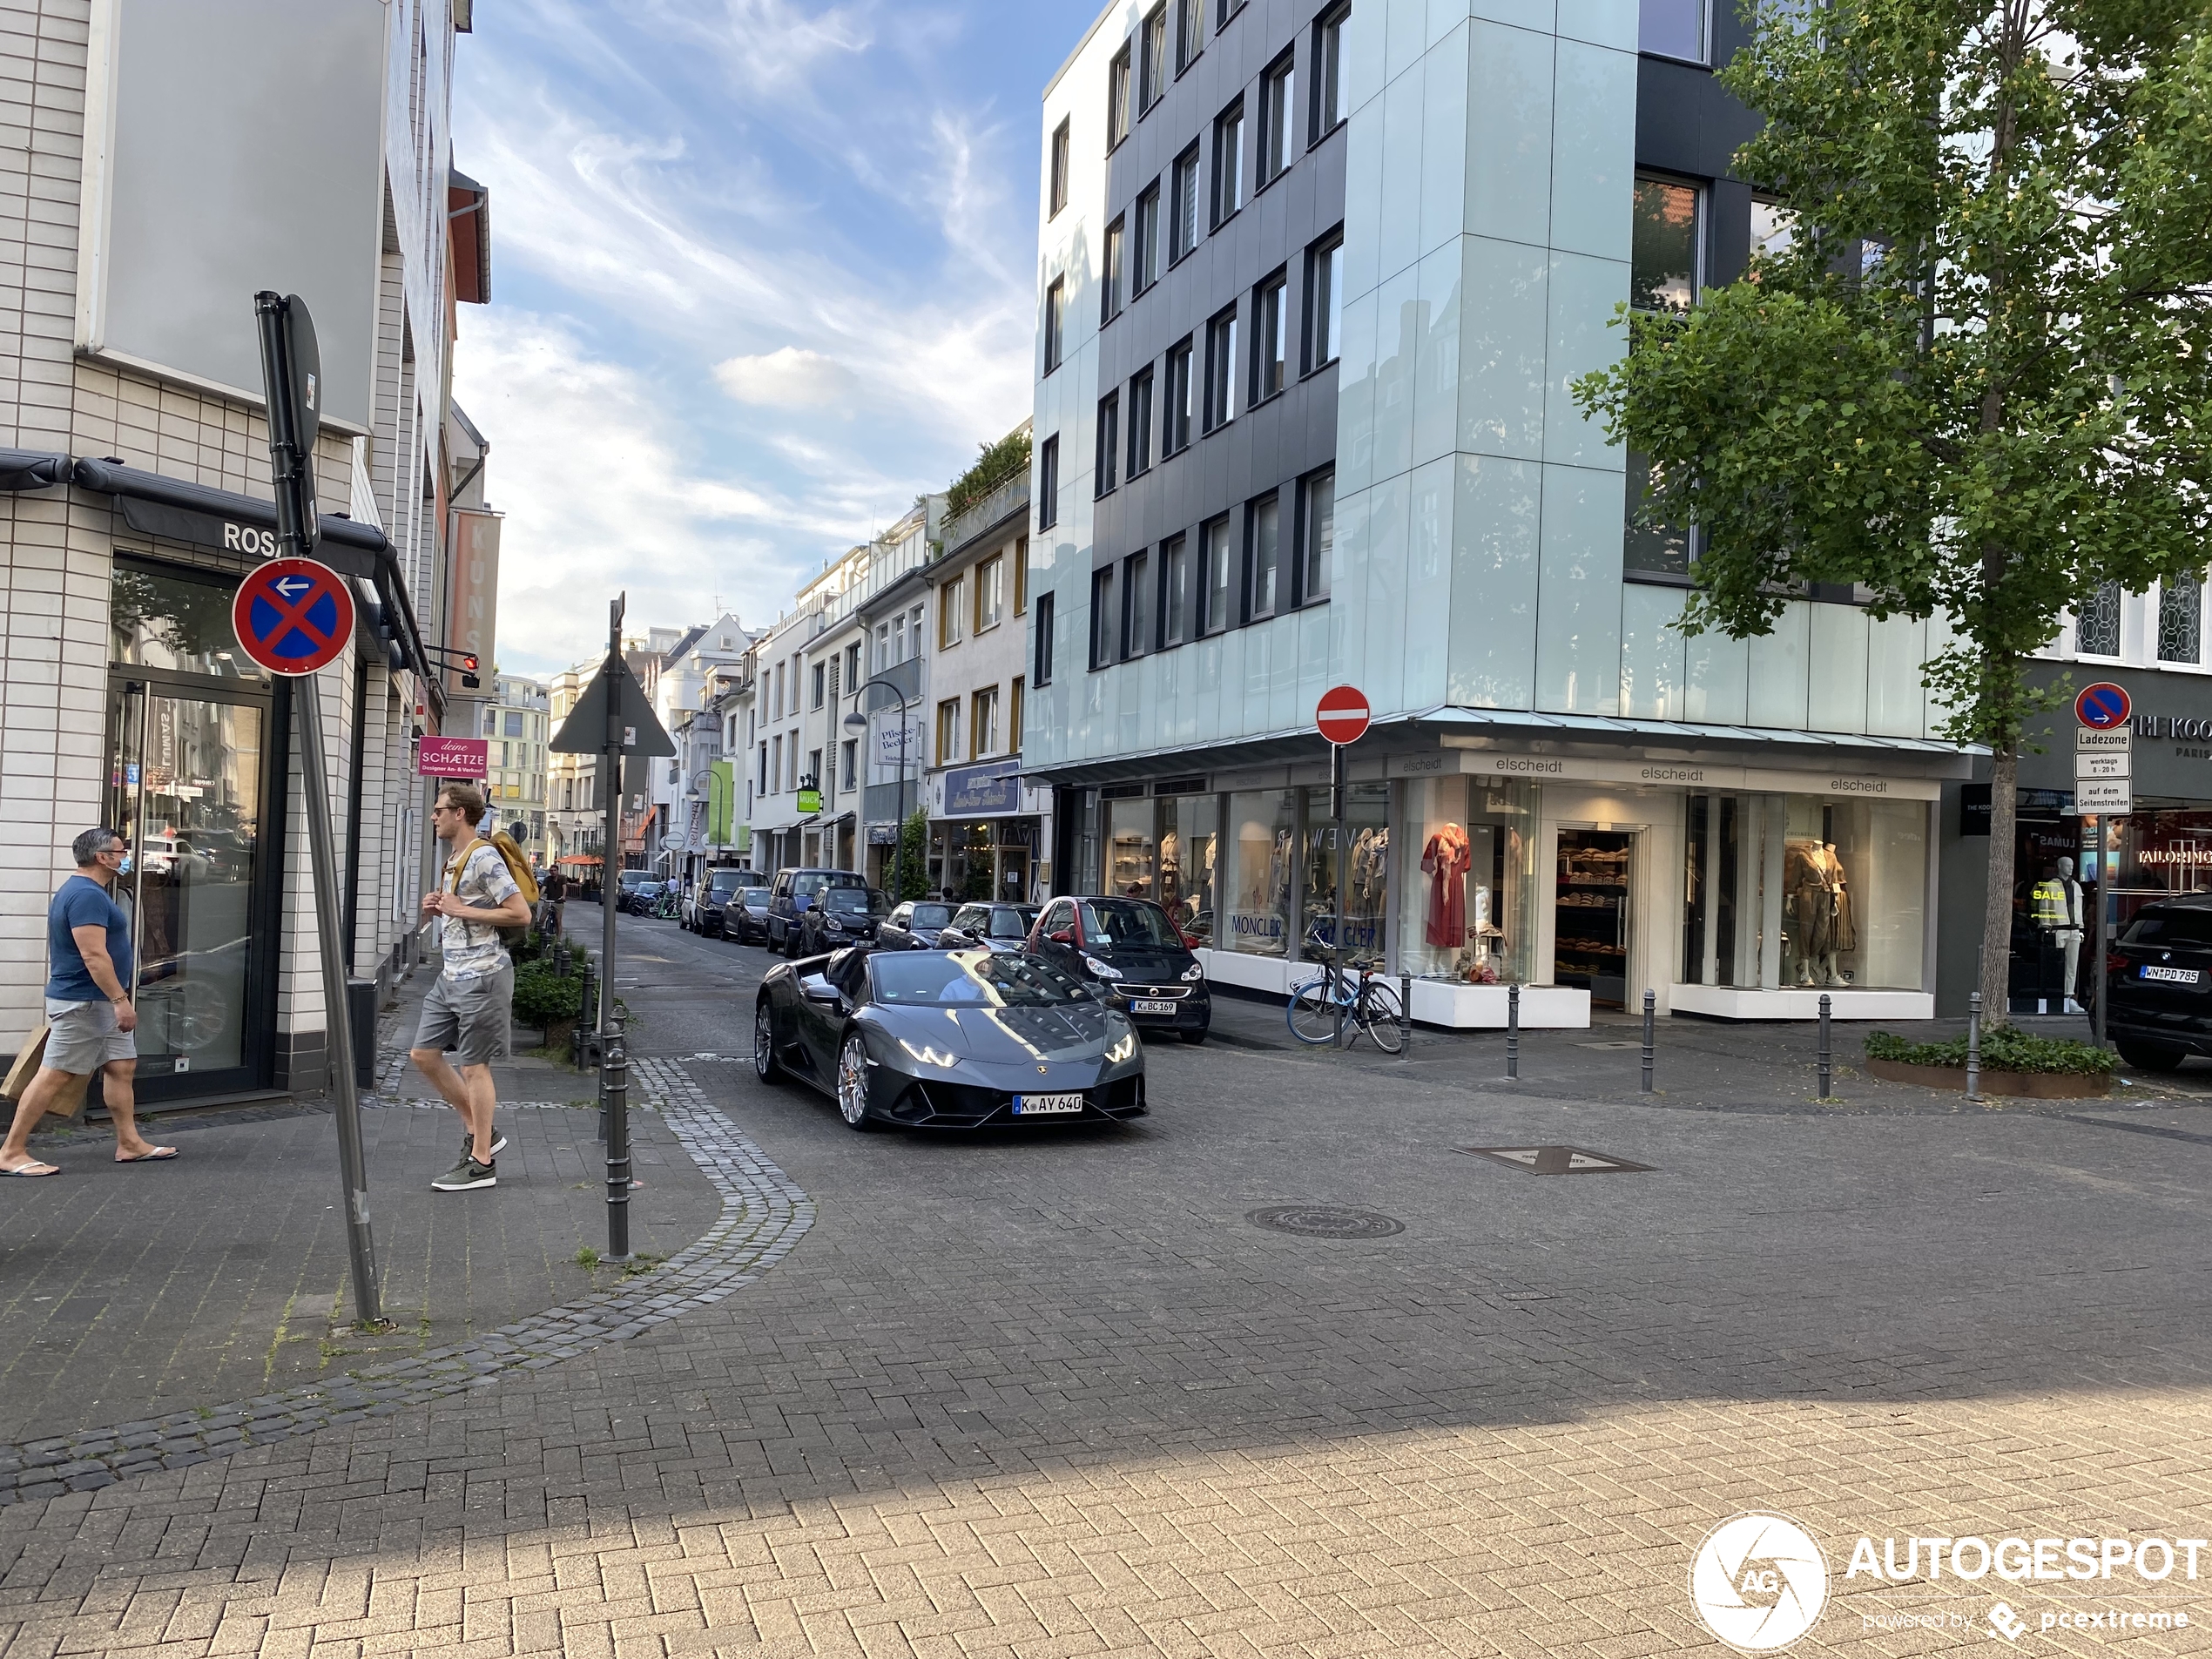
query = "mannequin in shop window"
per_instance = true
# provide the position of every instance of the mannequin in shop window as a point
(2055, 906)
(1821, 928)
(1446, 861)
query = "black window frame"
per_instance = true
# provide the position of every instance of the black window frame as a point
(1184, 181)
(1177, 597)
(1151, 67)
(1190, 32)
(1701, 229)
(1113, 262)
(1224, 205)
(1302, 592)
(1055, 323)
(1220, 386)
(1677, 546)
(1225, 12)
(1139, 613)
(1136, 459)
(1703, 56)
(1144, 240)
(1278, 120)
(1319, 295)
(1178, 413)
(1325, 72)
(1249, 607)
(1216, 600)
(1105, 475)
(1121, 96)
(1057, 169)
(1275, 285)
(1040, 668)
(1104, 624)
(1048, 483)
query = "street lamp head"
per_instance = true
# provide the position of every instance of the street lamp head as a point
(856, 721)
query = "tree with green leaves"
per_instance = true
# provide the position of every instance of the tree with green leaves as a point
(910, 870)
(1971, 370)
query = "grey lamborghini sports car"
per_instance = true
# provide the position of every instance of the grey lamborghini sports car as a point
(947, 1039)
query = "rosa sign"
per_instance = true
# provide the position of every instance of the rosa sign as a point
(1343, 714)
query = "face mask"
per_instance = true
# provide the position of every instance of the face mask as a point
(124, 868)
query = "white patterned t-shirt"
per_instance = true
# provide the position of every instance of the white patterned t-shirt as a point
(472, 948)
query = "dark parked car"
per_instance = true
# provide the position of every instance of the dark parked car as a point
(914, 925)
(639, 892)
(2158, 977)
(995, 927)
(1129, 951)
(793, 895)
(745, 919)
(841, 916)
(702, 905)
(950, 1039)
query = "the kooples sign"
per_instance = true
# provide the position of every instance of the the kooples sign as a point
(2183, 728)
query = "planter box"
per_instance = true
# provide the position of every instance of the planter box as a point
(2032, 1085)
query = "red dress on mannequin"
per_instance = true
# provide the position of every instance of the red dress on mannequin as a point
(1446, 861)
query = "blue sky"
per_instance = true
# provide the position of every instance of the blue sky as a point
(763, 271)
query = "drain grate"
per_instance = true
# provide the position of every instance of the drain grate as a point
(1557, 1160)
(1325, 1221)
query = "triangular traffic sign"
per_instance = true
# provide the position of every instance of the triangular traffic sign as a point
(584, 732)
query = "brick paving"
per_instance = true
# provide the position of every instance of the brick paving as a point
(1046, 1394)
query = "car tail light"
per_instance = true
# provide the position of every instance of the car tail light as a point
(2115, 963)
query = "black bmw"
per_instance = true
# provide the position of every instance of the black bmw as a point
(947, 1039)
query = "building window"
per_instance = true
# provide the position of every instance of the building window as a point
(1103, 619)
(983, 723)
(850, 768)
(1117, 100)
(1189, 33)
(1774, 227)
(821, 679)
(952, 598)
(1662, 251)
(1324, 302)
(1271, 337)
(1327, 65)
(764, 769)
(1048, 483)
(949, 732)
(1014, 717)
(1215, 567)
(1175, 591)
(775, 766)
(1152, 67)
(990, 593)
(1140, 422)
(1672, 29)
(1110, 280)
(1184, 208)
(1040, 671)
(1263, 549)
(1175, 420)
(1137, 606)
(1228, 162)
(514, 725)
(2096, 629)
(1109, 439)
(1055, 322)
(1022, 576)
(1277, 125)
(813, 777)
(853, 666)
(1058, 170)
(1317, 536)
(1221, 369)
(1662, 551)
(1225, 10)
(1145, 267)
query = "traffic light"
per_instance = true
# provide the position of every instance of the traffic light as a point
(469, 679)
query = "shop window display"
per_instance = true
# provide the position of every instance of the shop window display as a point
(1130, 851)
(1590, 928)
(1262, 826)
(1190, 841)
(1366, 898)
(1467, 881)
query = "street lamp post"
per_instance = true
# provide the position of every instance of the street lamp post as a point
(858, 721)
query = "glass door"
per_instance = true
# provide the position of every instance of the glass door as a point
(1590, 932)
(186, 774)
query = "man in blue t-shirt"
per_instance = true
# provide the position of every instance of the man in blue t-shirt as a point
(88, 1008)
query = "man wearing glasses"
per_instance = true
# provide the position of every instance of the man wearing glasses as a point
(89, 1014)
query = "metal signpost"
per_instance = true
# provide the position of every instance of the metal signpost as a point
(1342, 716)
(2104, 765)
(612, 718)
(293, 617)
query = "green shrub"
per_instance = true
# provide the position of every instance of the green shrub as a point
(545, 999)
(2004, 1048)
(1008, 458)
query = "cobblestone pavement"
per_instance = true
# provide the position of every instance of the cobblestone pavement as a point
(1053, 1394)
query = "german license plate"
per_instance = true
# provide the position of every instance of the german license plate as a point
(2177, 975)
(1151, 1005)
(1044, 1105)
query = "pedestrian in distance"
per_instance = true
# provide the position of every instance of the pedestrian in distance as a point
(470, 1002)
(554, 890)
(90, 1019)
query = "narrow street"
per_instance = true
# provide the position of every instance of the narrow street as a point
(1059, 1393)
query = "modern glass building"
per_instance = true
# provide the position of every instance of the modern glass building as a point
(1315, 282)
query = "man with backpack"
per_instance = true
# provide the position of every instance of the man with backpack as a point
(471, 1001)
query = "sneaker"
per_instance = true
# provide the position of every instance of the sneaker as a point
(466, 1175)
(469, 1145)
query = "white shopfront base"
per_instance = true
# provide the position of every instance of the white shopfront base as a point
(1799, 1002)
(1435, 1001)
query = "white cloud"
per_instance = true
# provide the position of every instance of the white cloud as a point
(788, 378)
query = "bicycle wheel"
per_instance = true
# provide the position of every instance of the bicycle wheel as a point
(1312, 1014)
(1379, 1015)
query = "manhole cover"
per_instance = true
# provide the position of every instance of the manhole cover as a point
(1325, 1221)
(1557, 1160)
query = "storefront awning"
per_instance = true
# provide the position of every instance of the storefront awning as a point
(32, 469)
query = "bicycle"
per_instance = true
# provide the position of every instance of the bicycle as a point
(1337, 1008)
(667, 907)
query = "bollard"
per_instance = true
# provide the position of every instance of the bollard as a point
(1512, 1032)
(1650, 1003)
(615, 1094)
(1824, 1067)
(1974, 1048)
(1405, 1015)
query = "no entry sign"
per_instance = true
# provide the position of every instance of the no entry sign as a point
(2102, 706)
(293, 616)
(1343, 714)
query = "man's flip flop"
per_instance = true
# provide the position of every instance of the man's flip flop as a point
(154, 1156)
(32, 1169)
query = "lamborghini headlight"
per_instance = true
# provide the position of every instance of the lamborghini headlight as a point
(1122, 1048)
(929, 1055)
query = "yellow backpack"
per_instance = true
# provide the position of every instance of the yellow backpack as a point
(519, 865)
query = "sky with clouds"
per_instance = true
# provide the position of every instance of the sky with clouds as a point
(763, 271)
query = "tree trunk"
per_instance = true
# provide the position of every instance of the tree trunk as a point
(1997, 909)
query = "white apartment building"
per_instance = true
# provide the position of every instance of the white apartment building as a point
(516, 728)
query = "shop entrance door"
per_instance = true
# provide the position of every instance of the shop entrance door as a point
(188, 774)
(1590, 928)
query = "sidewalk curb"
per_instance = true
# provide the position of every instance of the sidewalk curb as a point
(764, 1216)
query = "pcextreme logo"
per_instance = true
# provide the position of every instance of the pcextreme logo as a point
(1758, 1582)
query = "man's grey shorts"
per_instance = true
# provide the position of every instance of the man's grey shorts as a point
(470, 1016)
(83, 1037)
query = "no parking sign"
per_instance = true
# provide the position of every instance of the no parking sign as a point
(293, 616)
